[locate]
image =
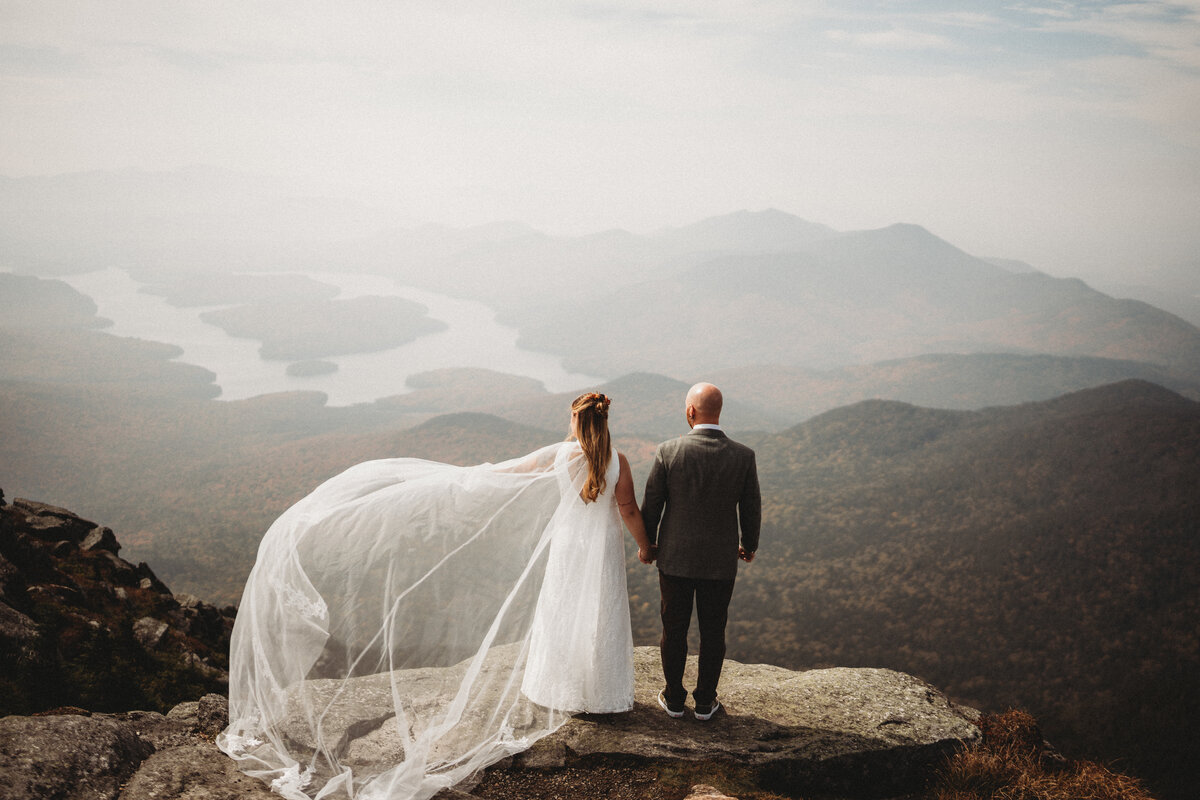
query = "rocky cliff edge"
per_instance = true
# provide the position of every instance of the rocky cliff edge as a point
(80, 624)
(828, 732)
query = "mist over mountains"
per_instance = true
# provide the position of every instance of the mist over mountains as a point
(744, 291)
(973, 471)
(851, 299)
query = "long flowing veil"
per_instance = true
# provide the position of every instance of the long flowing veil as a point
(381, 639)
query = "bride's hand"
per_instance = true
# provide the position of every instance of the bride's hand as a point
(647, 554)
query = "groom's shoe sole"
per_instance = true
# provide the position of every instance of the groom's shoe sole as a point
(716, 706)
(662, 701)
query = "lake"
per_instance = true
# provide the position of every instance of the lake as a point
(473, 339)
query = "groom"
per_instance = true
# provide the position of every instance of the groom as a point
(702, 485)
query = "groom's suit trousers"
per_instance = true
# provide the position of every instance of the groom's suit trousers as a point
(712, 608)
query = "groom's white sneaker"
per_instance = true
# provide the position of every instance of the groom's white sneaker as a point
(706, 712)
(674, 713)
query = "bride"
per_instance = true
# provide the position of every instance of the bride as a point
(410, 622)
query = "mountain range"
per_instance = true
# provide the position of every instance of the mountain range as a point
(974, 472)
(850, 299)
(1041, 555)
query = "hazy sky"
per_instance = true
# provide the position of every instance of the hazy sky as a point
(1066, 134)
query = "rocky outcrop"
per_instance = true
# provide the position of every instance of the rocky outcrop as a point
(81, 626)
(136, 755)
(67, 756)
(841, 732)
(78, 623)
(831, 732)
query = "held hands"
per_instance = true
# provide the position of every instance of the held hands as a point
(744, 556)
(647, 554)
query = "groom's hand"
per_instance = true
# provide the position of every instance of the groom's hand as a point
(647, 554)
(744, 556)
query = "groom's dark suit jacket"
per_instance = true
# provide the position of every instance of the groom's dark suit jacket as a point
(702, 485)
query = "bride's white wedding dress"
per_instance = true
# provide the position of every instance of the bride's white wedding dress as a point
(410, 622)
(581, 646)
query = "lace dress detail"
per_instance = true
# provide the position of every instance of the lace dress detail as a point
(296, 600)
(581, 647)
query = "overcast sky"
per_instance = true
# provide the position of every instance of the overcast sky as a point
(1066, 134)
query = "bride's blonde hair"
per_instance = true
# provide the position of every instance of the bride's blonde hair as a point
(591, 427)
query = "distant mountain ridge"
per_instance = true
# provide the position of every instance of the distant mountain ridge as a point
(736, 290)
(746, 232)
(850, 299)
(938, 380)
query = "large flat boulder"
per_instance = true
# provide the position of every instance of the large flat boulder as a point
(854, 732)
(829, 732)
(848, 732)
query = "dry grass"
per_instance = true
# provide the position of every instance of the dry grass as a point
(1012, 764)
(620, 781)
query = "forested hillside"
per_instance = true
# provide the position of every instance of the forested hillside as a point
(1044, 556)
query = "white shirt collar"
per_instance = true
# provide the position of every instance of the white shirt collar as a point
(706, 426)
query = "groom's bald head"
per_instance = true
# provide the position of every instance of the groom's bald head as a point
(703, 404)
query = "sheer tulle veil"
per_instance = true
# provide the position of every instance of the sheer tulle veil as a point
(382, 637)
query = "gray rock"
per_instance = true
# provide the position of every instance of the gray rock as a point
(343, 703)
(148, 580)
(212, 714)
(149, 632)
(201, 665)
(454, 794)
(383, 744)
(51, 523)
(840, 732)
(826, 730)
(159, 731)
(831, 731)
(197, 771)
(61, 593)
(206, 717)
(8, 573)
(702, 791)
(100, 539)
(18, 631)
(120, 571)
(67, 757)
(186, 713)
(548, 753)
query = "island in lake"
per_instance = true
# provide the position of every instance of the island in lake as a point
(308, 330)
(309, 369)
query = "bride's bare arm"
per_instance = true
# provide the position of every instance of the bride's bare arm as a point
(631, 515)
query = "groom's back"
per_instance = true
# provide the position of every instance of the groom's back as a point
(703, 484)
